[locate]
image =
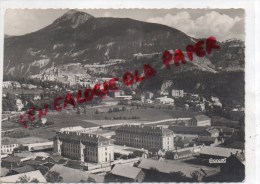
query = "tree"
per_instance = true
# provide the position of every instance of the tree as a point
(23, 179)
(117, 155)
(153, 175)
(131, 156)
(8, 104)
(34, 180)
(196, 176)
(178, 177)
(53, 177)
(27, 179)
(91, 180)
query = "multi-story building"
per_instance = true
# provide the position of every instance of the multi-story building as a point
(116, 93)
(164, 100)
(8, 144)
(85, 147)
(7, 84)
(140, 136)
(19, 104)
(177, 93)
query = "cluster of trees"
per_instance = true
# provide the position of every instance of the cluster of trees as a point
(27, 179)
(53, 177)
(36, 82)
(120, 156)
(153, 175)
(120, 117)
(89, 180)
(9, 103)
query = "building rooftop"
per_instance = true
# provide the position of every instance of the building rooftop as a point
(25, 154)
(34, 162)
(236, 145)
(240, 156)
(12, 159)
(102, 131)
(89, 137)
(72, 129)
(218, 151)
(71, 175)
(126, 171)
(144, 129)
(187, 129)
(227, 130)
(201, 118)
(23, 169)
(183, 153)
(212, 130)
(44, 147)
(168, 167)
(206, 139)
(56, 158)
(31, 175)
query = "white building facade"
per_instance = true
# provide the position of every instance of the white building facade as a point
(85, 147)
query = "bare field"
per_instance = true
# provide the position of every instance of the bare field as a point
(91, 119)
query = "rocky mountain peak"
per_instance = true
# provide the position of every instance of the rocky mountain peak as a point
(74, 18)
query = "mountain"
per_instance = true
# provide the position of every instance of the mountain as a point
(231, 56)
(77, 37)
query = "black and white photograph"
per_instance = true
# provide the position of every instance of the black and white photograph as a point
(123, 95)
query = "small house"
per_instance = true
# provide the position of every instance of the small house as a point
(201, 120)
(208, 141)
(175, 155)
(125, 173)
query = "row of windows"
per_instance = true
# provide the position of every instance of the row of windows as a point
(76, 154)
(157, 142)
(7, 150)
(9, 146)
(91, 153)
(70, 150)
(136, 132)
(76, 146)
(142, 144)
(140, 136)
(90, 158)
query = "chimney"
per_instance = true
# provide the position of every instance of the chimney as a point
(236, 152)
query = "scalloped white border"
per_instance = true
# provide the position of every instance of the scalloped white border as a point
(252, 67)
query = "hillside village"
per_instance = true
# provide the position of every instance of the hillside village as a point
(126, 147)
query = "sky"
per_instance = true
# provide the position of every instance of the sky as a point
(199, 23)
